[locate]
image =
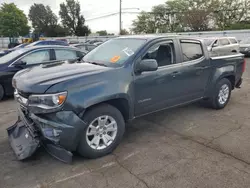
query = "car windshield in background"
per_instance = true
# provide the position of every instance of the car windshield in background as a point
(246, 41)
(115, 51)
(20, 46)
(11, 56)
(208, 42)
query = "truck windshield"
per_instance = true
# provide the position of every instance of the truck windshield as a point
(114, 51)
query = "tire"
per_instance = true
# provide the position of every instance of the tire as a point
(105, 110)
(1, 92)
(216, 101)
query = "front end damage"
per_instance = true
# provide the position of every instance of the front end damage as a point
(58, 133)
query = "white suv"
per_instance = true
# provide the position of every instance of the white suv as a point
(222, 44)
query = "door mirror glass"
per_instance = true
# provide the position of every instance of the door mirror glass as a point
(147, 65)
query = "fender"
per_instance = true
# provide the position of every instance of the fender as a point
(218, 74)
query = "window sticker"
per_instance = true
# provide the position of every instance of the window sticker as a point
(115, 59)
(128, 51)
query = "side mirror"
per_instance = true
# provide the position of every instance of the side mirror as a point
(20, 63)
(215, 45)
(147, 65)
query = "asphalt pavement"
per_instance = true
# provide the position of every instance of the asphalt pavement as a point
(185, 147)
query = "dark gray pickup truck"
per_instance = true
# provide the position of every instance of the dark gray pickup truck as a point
(83, 106)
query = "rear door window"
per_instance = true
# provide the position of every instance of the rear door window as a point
(224, 42)
(233, 41)
(64, 54)
(191, 50)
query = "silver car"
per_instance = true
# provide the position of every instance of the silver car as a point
(222, 44)
(245, 46)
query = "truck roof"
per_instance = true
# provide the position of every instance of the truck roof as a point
(155, 36)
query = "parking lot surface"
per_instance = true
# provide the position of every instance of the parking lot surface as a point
(191, 146)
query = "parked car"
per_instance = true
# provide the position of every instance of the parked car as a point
(28, 57)
(84, 106)
(4, 52)
(245, 46)
(222, 44)
(48, 42)
(93, 41)
(85, 46)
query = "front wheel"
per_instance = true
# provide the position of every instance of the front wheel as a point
(104, 131)
(222, 94)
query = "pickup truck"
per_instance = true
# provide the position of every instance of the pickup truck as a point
(84, 106)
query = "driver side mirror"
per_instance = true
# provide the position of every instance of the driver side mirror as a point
(20, 64)
(147, 65)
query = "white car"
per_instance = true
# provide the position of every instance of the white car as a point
(222, 44)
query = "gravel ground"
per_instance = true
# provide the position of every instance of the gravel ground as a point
(184, 147)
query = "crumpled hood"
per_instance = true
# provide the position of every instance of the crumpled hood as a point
(39, 79)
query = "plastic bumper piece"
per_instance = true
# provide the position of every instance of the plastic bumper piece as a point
(23, 143)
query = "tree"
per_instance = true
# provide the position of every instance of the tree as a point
(42, 18)
(72, 19)
(102, 32)
(13, 22)
(193, 15)
(57, 31)
(124, 32)
(231, 12)
(145, 23)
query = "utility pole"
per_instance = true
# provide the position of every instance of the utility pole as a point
(120, 17)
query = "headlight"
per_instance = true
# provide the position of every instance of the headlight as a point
(246, 49)
(48, 101)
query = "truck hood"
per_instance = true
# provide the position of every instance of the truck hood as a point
(39, 79)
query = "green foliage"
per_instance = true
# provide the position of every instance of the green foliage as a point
(193, 15)
(42, 17)
(13, 22)
(102, 32)
(145, 23)
(72, 19)
(124, 32)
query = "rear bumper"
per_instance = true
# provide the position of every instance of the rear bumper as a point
(58, 138)
(238, 84)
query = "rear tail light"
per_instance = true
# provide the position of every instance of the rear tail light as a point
(244, 66)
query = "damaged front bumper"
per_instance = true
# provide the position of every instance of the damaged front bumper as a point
(59, 133)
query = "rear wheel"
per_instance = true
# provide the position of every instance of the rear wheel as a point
(222, 94)
(1, 92)
(104, 131)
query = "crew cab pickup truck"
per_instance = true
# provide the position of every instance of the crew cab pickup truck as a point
(83, 106)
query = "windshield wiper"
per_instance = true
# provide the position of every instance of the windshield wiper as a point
(95, 63)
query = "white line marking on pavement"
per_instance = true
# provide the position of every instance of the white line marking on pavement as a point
(89, 171)
(130, 155)
(108, 165)
(71, 177)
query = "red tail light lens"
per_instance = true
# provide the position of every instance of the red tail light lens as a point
(244, 66)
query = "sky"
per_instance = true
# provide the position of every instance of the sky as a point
(95, 8)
